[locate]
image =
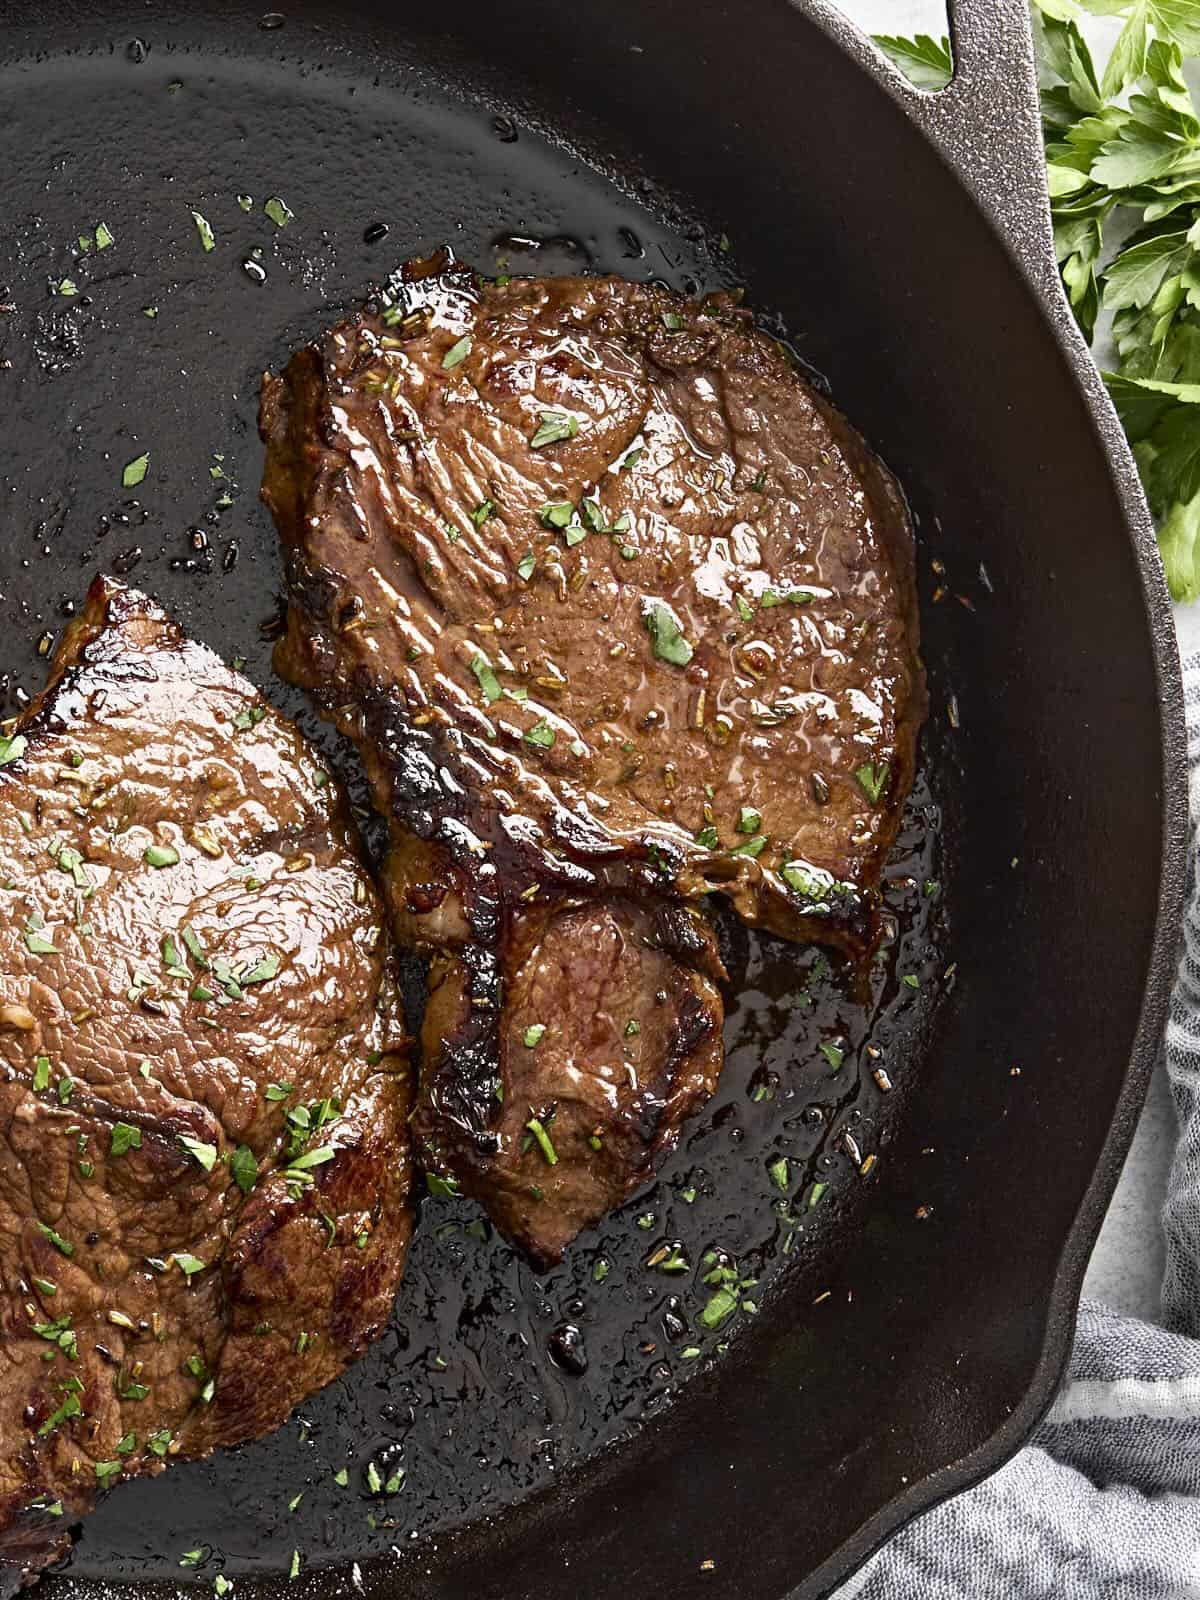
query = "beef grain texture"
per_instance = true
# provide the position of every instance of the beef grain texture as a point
(185, 1253)
(620, 613)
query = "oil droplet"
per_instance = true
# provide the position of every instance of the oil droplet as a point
(632, 247)
(255, 272)
(271, 20)
(567, 1349)
(124, 564)
(375, 233)
(505, 130)
(137, 50)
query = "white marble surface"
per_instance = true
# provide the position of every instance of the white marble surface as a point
(1126, 1269)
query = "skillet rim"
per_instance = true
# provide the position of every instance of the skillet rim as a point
(994, 149)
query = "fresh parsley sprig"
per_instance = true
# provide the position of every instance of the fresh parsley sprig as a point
(1123, 149)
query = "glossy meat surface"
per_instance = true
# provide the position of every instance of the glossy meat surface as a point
(714, 658)
(618, 611)
(204, 1175)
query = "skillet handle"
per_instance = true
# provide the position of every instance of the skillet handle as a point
(987, 123)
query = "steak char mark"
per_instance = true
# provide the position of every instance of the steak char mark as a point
(205, 1174)
(621, 614)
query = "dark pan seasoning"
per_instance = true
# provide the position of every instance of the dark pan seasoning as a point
(492, 1380)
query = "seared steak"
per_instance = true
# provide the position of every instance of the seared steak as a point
(204, 1179)
(620, 612)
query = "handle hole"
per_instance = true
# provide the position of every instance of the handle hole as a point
(922, 25)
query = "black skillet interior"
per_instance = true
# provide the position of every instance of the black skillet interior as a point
(901, 1322)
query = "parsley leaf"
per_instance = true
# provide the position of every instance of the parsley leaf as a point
(925, 61)
(1122, 139)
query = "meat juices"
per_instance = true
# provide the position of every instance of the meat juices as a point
(620, 613)
(204, 1185)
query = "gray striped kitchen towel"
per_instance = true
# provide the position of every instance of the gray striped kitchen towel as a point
(1105, 1502)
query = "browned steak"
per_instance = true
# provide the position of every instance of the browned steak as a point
(618, 610)
(204, 1173)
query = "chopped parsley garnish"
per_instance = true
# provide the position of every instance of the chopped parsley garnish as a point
(780, 1172)
(125, 1137)
(719, 1307)
(672, 321)
(161, 855)
(481, 513)
(294, 1569)
(556, 514)
(261, 972)
(59, 1333)
(632, 1028)
(541, 735)
(555, 425)
(278, 1091)
(792, 597)
(205, 1154)
(70, 1407)
(815, 1194)
(666, 635)
(669, 1258)
(159, 1442)
(204, 229)
(457, 353)
(104, 236)
(488, 680)
(304, 1163)
(63, 1246)
(911, 980)
(444, 1187)
(526, 566)
(752, 847)
(244, 1168)
(12, 749)
(106, 1471)
(749, 820)
(533, 1035)
(538, 1130)
(41, 1073)
(873, 778)
(189, 1264)
(279, 211)
(601, 1269)
(135, 471)
(67, 287)
(592, 515)
(708, 837)
(833, 1053)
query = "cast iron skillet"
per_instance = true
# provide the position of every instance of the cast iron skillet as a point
(903, 242)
